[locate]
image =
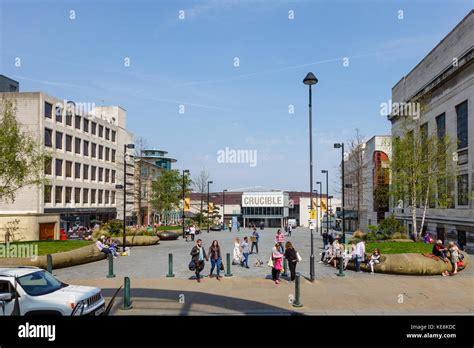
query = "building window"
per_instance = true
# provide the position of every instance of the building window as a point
(107, 154)
(77, 195)
(48, 166)
(59, 140)
(48, 110)
(77, 170)
(47, 194)
(113, 156)
(86, 148)
(77, 122)
(68, 169)
(93, 173)
(101, 152)
(48, 137)
(68, 142)
(59, 114)
(77, 145)
(68, 118)
(101, 174)
(112, 200)
(93, 150)
(85, 196)
(101, 198)
(59, 167)
(107, 174)
(58, 194)
(461, 111)
(113, 135)
(93, 196)
(463, 189)
(85, 126)
(113, 176)
(441, 126)
(68, 195)
(85, 171)
(101, 131)
(93, 128)
(107, 196)
(107, 133)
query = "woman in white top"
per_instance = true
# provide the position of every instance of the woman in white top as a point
(192, 232)
(237, 258)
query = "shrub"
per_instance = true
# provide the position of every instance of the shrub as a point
(399, 235)
(390, 226)
(114, 226)
(371, 236)
(358, 234)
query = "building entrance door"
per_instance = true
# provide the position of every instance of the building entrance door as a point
(46, 231)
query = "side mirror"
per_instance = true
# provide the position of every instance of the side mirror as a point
(6, 296)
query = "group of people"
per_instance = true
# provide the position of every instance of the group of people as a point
(276, 261)
(108, 246)
(199, 255)
(455, 256)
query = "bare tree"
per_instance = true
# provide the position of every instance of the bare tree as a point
(200, 185)
(141, 177)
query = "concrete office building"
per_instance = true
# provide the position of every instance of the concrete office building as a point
(8, 85)
(86, 147)
(444, 79)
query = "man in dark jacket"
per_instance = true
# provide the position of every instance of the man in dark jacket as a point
(198, 255)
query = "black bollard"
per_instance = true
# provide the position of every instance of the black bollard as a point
(228, 274)
(127, 303)
(341, 267)
(170, 266)
(111, 266)
(49, 263)
(297, 303)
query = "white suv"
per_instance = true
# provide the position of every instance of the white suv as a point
(40, 293)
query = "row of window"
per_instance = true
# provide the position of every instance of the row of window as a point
(94, 196)
(83, 147)
(65, 169)
(264, 211)
(80, 122)
(461, 125)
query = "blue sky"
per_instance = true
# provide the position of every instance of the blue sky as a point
(190, 62)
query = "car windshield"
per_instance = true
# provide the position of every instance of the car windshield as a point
(39, 283)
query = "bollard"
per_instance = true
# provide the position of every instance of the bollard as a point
(228, 274)
(170, 266)
(296, 302)
(285, 268)
(341, 268)
(49, 263)
(127, 304)
(111, 266)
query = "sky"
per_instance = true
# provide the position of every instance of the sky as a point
(198, 77)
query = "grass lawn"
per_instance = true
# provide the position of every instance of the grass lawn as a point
(398, 247)
(167, 228)
(56, 246)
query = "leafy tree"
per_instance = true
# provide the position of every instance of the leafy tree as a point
(21, 159)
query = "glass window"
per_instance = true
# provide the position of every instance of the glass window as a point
(48, 137)
(107, 196)
(93, 150)
(59, 140)
(85, 125)
(107, 174)
(93, 196)
(68, 194)
(85, 171)
(58, 194)
(59, 113)
(463, 189)
(68, 118)
(101, 131)
(77, 195)
(85, 196)
(441, 126)
(93, 128)
(113, 176)
(47, 193)
(101, 174)
(107, 133)
(101, 152)
(93, 173)
(77, 170)
(86, 148)
(59, 167)
(461, 111)
(68, 143)
(112, 200)
(77, 145)
(48, 166)
(48, 110)
(77, 122)
(107, 154)
(113, 136)
(68, 169)
(113, 156)
(100, 198)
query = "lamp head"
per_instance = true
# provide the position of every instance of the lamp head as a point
(310, 79)
(337, 146)
(324, 171)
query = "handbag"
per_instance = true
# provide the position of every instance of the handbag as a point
(192, 265)
(270, 262)
(460, 264)
(298, 257)
(222, 266)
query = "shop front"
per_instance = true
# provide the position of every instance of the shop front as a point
(269, 208)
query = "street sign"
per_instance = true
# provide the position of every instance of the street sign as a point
(312, 214)
(312, 224)
(187, 204)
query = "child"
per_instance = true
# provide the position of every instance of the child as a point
(374, 258)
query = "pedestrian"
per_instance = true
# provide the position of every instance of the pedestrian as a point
(290, 229)
(374, 258)
(255, 238)
(276, 263)
(237, 253)
(453, 256)
(292, 256)
(286, 228)
(230, 226)
(280, 239)
(216, 259)
(262, 225)
(336, 252)
(360, 254)
(238, 226)
(348, 254)
(245, 252)
(100, 244)
(440, 250)
(325, 239)
(198, 255)
(192, 232)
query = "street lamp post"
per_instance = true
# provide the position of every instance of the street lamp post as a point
(125, 147)
(320, 193)
(341, 146)
(310, 80)
(223, 209)
(186, 171)
(209, 182)
(327, 199)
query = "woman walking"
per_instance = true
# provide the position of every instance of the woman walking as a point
(277, 257)
(216, 259)
(280, 239)
(292, 257)
(237, 253)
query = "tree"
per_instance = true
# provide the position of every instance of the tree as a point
(22, 162)
(141, 177)
(421, 165)
(200, 184)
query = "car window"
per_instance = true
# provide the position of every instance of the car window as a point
(39, 283)
(5, 287)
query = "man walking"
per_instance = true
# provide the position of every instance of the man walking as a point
(245, 252)
(359, 254)
(255, 237)
(198, 255)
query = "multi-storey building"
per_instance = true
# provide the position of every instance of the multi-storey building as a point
(85, 145)
(444, 81)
